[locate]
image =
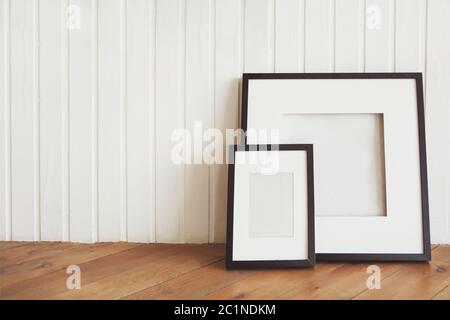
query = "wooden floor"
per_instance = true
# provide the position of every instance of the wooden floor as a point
(158, 271)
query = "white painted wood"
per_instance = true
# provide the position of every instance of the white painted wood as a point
(65, 118)
(51, 119)
(110, 131)
(7, 51)
(93, 163)
(170, 116)
(140, 128)
(410, 51)
(36, 123)
(152, 121)
(82, 134)
(438, 117)
(380, 36)
(4, 116)
(319, 35)
(123, 122)
(289, 35)
(94, 122)
(259, 36)
(410, 45)
(350, 30)
(229, 49)
(23, 72)
(199, 108)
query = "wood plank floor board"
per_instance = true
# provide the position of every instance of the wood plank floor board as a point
(43, 264)
(20, 253)
(158, 271)
(11, 244)
(53, 283)
(270, 284)
(325, 281)
(416, 280)
(144, 275)
(444, 294)
(193, 285)
(341, 283)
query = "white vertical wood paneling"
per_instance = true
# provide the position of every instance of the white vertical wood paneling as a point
(289, 35)
(109, 119)
(94, 122)
(82, 134)
(228, 71)
(87, 115)
(199, 107)
(7, 123)
(410, 44)
(259, 36)
(123, 122)
(50, 85)
(380, 36)
(23, 72)
(36, 123)
(140, 119)
(152, 120)
(64, 139)
(349, 32)
(319, 35)
(4, 118)
(170, 116)
(438, 117)
(410, 49)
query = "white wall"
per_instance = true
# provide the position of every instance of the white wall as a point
(86, 115)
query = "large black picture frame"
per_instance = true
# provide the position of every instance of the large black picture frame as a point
(232, 264)
(333, 257)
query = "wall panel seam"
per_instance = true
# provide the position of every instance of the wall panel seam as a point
(332, 40)
(152, 117)
(182, 38)
(36, 123)
(7, 83)
(242, 43)
(123, 121)
(94, 123)
(364, 51)
(212, 81)
(272, 35)
(304, 36)
(361, 35)
(392, 35)
(65, 118)
(272, 20)
(301, 37)
(424, 79)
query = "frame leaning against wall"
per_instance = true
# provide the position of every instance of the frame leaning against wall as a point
(343, 254)
(309, 170)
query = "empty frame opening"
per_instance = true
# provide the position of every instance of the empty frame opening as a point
(271, 216)
(349, 162)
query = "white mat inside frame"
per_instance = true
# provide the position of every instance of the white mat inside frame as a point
(366, 151)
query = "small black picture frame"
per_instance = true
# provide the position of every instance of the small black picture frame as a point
(253, 264)
(422, 158)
